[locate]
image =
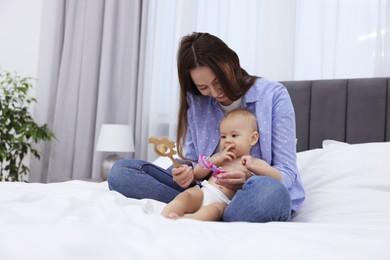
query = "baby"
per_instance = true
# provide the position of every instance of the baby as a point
(238, 133)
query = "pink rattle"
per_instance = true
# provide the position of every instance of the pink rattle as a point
(205, 163)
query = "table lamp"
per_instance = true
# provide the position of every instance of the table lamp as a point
(114, 138)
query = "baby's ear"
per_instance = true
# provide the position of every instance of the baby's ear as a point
(254, 138)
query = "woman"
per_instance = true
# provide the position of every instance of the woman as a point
(213, 83)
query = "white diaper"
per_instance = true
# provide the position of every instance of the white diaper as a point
(212, 194)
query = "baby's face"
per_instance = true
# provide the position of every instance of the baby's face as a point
(235, 131)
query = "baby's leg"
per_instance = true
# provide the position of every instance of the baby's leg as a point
(188, 201)
(211, 212)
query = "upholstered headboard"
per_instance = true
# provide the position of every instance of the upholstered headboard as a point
(348, 110)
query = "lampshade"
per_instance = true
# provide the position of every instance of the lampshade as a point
(115, 138)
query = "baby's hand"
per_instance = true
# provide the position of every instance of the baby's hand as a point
(247, 161)
(250, 162)
(254, 165)
(224, 155)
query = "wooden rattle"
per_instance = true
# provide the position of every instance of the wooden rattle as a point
(164, 147)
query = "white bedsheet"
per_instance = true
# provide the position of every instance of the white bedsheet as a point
(346, 216)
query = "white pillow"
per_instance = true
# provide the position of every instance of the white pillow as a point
(163, 162)
(328, 143)
(346, 183)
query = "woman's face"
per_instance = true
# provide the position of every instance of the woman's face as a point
(208, 84)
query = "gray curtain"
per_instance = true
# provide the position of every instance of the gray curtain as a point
(87, 75)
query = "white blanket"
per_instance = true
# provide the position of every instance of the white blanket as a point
(346, 216)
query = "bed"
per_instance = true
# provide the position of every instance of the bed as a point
(344, 160)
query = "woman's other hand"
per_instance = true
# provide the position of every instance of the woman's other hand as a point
(183, 175)
(233, 180)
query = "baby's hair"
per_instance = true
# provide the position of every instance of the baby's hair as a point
(245, 113)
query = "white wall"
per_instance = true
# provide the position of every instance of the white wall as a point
(20, 23)
(19, 35)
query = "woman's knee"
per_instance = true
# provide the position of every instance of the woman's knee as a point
(120, 171)
(269, 188)
(270, 192)
(262, 199)
(126, 164)
(125, 167)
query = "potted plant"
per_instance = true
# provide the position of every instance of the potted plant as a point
(18, 130)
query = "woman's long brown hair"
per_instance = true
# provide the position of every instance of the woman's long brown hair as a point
(204, 49)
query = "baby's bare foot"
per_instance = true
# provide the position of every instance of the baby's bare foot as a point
(173, 216)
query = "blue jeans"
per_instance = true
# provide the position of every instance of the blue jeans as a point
(261, 199)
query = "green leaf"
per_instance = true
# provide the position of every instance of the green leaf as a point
(18, 130)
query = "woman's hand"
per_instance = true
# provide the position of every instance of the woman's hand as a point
(183, 175)
(233, 180)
